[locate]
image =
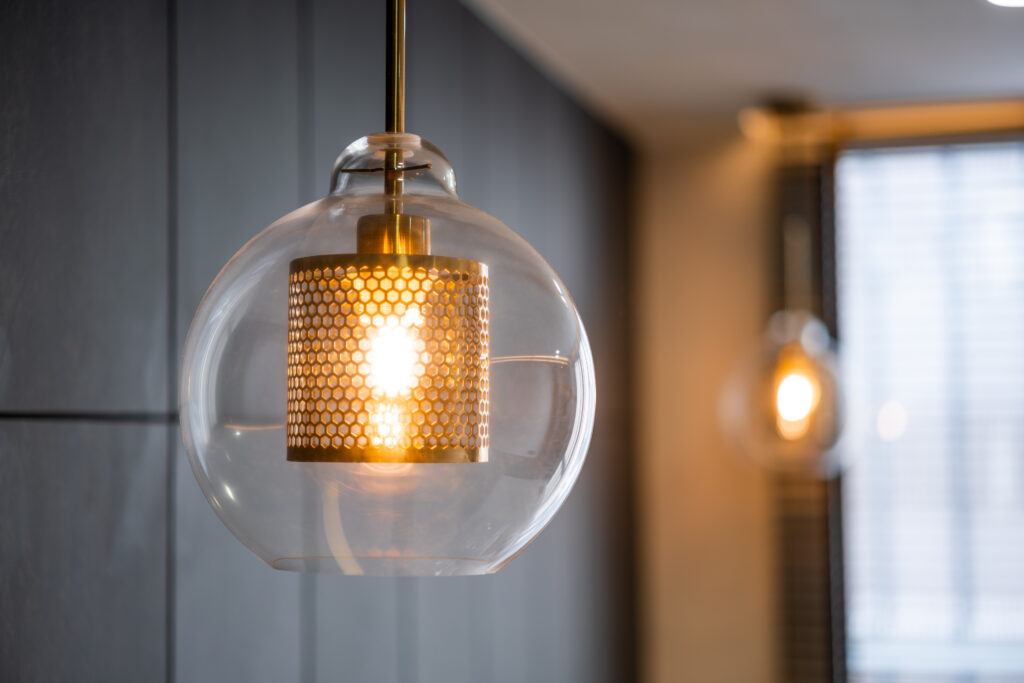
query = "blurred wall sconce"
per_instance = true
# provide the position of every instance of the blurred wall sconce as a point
(388, 380)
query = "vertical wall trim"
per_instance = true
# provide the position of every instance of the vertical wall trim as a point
(172, 327)
(631, 660)
(828, 288)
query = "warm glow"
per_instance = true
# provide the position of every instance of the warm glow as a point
(796, 396)
(395, 368)
(387, 362)
(393, 356)
(389, 420)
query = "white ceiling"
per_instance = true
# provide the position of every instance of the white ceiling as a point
(651, 67)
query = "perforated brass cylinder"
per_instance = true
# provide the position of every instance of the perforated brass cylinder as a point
(387, 359)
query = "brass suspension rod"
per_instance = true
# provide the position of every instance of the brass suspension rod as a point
(394, 232)
(395, 114)
(395, 105)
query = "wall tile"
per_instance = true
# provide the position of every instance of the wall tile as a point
(362, 627)
(239, 155)
(347, 81)
(82, 572)
(238, 133)
(236, 618)
(436, 93)
(83, 206)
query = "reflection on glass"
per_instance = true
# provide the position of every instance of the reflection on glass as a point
(892, 421)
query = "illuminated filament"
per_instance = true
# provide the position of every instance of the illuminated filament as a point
(394, 354)
(395, 368)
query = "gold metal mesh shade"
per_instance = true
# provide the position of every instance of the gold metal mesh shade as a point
(387, 359)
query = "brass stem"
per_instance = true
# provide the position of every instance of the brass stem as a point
(394, 232)
(395, 105)
(395, 114)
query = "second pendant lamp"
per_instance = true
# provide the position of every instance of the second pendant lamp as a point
(388, 380)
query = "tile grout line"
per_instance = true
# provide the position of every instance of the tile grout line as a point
(170, 607)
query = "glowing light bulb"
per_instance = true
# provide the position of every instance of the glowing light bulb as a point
(394, 354)
(781, 405)
(796, 396)
(395, 368)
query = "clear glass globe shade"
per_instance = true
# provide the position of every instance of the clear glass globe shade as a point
(781, 405)
(387, 518)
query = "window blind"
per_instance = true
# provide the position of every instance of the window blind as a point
(930, 290)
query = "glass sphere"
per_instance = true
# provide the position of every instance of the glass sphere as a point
(781, 405)
(377, 517)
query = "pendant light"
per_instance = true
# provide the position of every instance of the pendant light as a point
(388, 380)
(781, 404)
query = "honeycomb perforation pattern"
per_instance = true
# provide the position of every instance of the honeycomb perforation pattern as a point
(387, 359)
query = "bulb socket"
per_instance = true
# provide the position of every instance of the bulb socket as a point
(393, 233)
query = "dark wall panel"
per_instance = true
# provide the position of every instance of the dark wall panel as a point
(439, 33)
(238, 145)
(83, 536)
(83, 206)
(346, 80)
(362, 630)
(236, 619)
(237, 134)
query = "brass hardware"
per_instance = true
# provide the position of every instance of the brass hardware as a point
(394, 177)
(387, 359)
(395, 104)
(415, 167)
(370, 454)
(393, 233)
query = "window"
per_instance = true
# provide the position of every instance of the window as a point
(930, 266)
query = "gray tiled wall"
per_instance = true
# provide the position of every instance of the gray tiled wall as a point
(83, 518)
(83, 206)
(138, 136)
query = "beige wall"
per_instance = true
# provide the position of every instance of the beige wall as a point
(707, 570)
